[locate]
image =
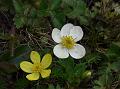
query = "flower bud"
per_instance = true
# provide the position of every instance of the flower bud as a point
(87, 74)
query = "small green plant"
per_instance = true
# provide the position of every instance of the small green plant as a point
(110, 71)
(70, 72)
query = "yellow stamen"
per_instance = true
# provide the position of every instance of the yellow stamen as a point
(37, 67)
(68, 42)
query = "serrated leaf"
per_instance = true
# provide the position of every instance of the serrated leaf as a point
(58, 19)
(73, 14)
(58, 71)
(79, 69)
(68, 64)
(68, 67)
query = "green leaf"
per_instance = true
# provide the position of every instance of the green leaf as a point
(78, 7)
(98, 85)
(113, 52)
(58, 86)
(55, 4)
(83, 20)
(43, 9)
(105, 79)
(68, 64)
(58, 19)
(115, 66)
(18, 6)
(21, 83)
(58, 71)
(68, 67)
(92, 58)
(69, 2)
(114, 48)
(33, 13)
(51, 86)
(81, 7)
(73, 14)
(19, 21)
(79, 69)
(43, 13)
(43, 5)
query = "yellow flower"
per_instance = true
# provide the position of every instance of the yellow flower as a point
(38, 67)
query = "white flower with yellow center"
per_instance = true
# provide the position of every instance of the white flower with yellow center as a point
(67, 38)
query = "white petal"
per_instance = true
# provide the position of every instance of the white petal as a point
(60, 51)
(77, 52)
(76, 33)
(65, 31)
(56, 35)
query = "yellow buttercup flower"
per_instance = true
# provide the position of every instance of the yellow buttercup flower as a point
(38, 67)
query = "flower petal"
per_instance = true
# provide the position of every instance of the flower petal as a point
(65, 31)
(35, 57)
(56, 35)
(60, 51)
(26, 66)
(45, 73)
(46, 61)
(76, 33)
(33, 76)
(77, 52)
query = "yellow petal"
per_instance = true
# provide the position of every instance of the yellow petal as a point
(46, 61)
(35, 57)
(26, 66)
(45, 73)
(33, 76)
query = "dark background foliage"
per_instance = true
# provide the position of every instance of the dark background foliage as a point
(26, 25)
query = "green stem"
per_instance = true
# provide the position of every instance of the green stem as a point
(12, 41)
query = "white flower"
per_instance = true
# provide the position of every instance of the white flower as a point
(66, 39)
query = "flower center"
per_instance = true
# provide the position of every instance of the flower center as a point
(68, 42)
(37, 67)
